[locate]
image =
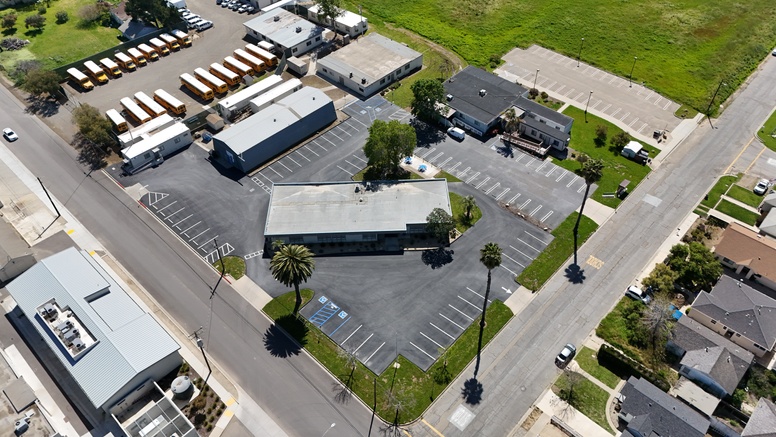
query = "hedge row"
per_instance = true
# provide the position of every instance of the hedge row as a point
(624, 367)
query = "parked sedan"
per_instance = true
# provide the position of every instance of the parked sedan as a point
(565, 355)
(761, 187)
(10, 135)
(637, 293)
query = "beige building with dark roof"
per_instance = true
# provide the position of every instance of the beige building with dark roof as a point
(749, 254)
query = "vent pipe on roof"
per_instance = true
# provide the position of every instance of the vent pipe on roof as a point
(707, 348)
(483, 92)
(298, 29)
(276, 18)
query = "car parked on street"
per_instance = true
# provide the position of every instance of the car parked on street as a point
(761, 187)
(10, 135)
(565, 355)
(637, 293)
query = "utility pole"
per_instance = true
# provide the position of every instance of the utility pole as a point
(201, 346)
(223, 269)
(579, 56)
(708, 110)
(630, 78)
(49, 198)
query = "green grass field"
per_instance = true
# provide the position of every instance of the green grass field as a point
(556, 253)
(414, 388)
(617, 167)
(234, 266)
(685, 47)
(745, 195)
(735, 211)
(461, 223)
(57, 44)
(588, 361)
(767, 132)
(588, 398)
(720, 188)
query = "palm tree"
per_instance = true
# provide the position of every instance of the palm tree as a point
(469, 204)
(490, 257)
(511, 121)
(292, 264)
(592, 170)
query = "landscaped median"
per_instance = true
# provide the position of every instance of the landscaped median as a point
(408, 386)
(555, 255)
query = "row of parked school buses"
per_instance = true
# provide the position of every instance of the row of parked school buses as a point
(246, 62)
(144, 108)
(134, 58)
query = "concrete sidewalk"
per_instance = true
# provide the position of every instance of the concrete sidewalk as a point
(552, 405)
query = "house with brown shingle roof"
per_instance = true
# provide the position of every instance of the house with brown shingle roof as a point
(749, 254)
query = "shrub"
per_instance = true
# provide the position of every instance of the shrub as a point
(90, 14)
(62, 17)
(13, 43)
(35, 21)
(544, 95)
(198, 403)
(41, 10)
(621, 140)
(625, 367)
(533, 92)
(601, 131)
(9, 20)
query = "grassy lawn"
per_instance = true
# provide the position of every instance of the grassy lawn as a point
(615, 329)
(737, 212)
(588, 361)
(552, 258)
(588, 398)
(616, 166)
(360, 175)
(234, 266)
(461, 222)
(767, 132)
(745, 195)
(57, 44)
(447, 176)
(686, 111)
(412, 387)
(684, 48)
(720, 188)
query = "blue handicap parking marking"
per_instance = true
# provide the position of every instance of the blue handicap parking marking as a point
(323, 299)
(343, 314)
(326, 312)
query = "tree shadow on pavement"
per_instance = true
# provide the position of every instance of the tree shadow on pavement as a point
(427, 134)
(89, 155)
(42, 107)
(436, 258)
(505, 150)
(472, 391)
(278, 342)
(575, 274)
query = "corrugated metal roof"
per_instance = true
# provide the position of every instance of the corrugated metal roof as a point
(71, 277)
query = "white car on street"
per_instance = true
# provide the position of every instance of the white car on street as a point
(10, 135)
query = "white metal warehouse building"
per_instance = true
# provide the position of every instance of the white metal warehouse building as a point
(289, 33)
(257, 139)
(111, 347)
(353, 212)
(369, 64)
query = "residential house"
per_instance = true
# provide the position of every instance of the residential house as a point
(648, 411)
(768, 225)
(708, 359)
(762, 422)
(749, 254)
(740, 313)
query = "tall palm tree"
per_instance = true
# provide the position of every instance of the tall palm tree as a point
(591, 171)
(468, 205)
(292, 264)
(511, 121)
(490, 257)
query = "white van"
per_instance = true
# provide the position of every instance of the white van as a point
(202, 25)
(456, 133)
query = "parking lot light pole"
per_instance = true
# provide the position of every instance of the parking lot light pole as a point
(588, 104)
(630, 78)
(579, 56)
(329, 429)
(536, 77)
(708, 110)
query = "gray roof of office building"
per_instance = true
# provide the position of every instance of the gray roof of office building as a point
(543, 127)
(711, 353)
(345, 207)
(129, 339)
(654, 411)
(742, 309)
(284, 31)
(543, 111)
(11, 243)
(465, 86)
(762, 422)
(371, 57)
(273, 119)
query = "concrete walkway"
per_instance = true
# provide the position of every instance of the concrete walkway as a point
(552, 405)
(598, 212)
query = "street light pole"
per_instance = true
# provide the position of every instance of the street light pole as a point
(708, 110)
(330, 427)
(536, 77)
(201, 346)
(630, 78)
(588, 104)
(579, 56)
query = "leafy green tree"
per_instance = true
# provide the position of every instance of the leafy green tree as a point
(511, 120)
(292, 264)
(426, 94)
(9, 21)
(490, 257)
(439, 224)
(329, 9)
(40, 82)
(661, 279)
(696, 266)
(36, 21)
(152, 11)
(620, 140)
(591, 171)
(468, 205)
(93, 126)
(387, 144)
(657, 320)
(62, 17)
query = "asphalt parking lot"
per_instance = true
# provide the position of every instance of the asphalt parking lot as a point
(630, 104)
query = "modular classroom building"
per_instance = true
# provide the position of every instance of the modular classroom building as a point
(347, 22)
(289, 33)
(109, 346)
(258, 138)
(353, 212)
(370, 64)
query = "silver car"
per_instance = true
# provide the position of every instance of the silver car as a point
(565, 355)
(761, 187)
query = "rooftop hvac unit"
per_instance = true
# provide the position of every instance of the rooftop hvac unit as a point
(276, 18)
(363, 81)
(483, 92)
(351, 75)
(298, 29)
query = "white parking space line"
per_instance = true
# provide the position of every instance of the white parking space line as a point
(642, 127)
(478, 294)
(343, 130)
(509, 270)
(356, 120)
(198, 235)
(455, 166)
(183, 232)
(431, 340)
(275, 171)
(444, 163)
(181, 221)
(512, 200)
(154, 198)
(448, 319)
(513, 260)
(363, 343)
(524, 242)
(539, 168)
(353, 165)
(533, 213)
(427, 354)
(519, 158)
(310, 149)
(430, 151)
(544, 219)
(484, 181)
(667, 105)
(345, 170)
(165, 207)
(493, 188)
(570, 62)
(360, 159)
(578, 96)
(373, 353)
(331, 132)
(634, 121)
(265, 177)
(292, 160)
(570, 92)
(330, 142)
(615, 112)
(300, 154)
(473, 177)
(441, 330)
(562, 175)
(462, 313)
(168, 217)
(351, 334)
(624, 116)
(535, 237)
(521, 252)
(469, 303)
(324, 149)
(530, 161)
(657, 100)
(581, 188)
(560, 89)
(437, 156)
(607, 107)
(613, 79)
(206, 242)
(597, 103)
(525, 204)
(572, 181)
(552, 170)
(502, 194)
(463, 173)
(554, 82)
